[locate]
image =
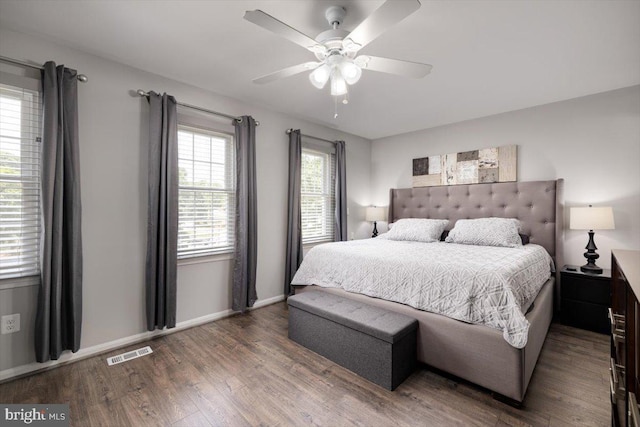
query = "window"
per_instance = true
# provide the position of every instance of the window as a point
(20, 115)
(206, 213)
(317, 196)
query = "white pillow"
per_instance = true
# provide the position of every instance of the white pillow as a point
(417, 229)
(486, 232)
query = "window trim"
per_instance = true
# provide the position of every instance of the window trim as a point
(206, 259)
(19, 282)
(210, 254)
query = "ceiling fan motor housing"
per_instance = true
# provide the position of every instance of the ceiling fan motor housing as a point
(332, 39)
(335, 15)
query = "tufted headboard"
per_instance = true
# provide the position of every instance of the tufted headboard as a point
(537, 204)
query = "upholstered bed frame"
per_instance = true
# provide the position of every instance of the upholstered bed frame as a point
(475, 352)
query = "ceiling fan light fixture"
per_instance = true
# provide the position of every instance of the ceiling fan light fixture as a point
(350, 71)
(338, 84)
(320, 76)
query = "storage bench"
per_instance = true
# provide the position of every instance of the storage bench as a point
(375, 343)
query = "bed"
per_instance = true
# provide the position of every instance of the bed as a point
(475, 352)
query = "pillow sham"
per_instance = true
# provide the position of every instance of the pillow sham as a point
(523, 237)
(417, 229)
(486, 232)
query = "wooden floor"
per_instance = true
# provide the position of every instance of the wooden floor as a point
(244, 371)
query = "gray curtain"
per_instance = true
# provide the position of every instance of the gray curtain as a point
(162, 219)
(59, 311)
(294, 221)
(340, 229)
(246, 250)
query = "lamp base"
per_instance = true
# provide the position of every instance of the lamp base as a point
(375, 230)
(591, 269)
(591, 256)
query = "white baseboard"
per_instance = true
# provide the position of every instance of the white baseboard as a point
(84, 353)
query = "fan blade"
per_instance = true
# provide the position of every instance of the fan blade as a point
(387, 15)
(270, 23)
(394, 66)
(287, 72)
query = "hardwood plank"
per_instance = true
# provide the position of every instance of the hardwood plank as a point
(572, 410)
(244, 370)
(507, 414)
(441, 393)
(157, 405)
(192, 420)
(6, 394)
(215, 406)
(107, 413)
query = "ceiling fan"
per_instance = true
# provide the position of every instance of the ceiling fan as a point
(336, 50)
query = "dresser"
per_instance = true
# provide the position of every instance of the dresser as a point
(624, 321)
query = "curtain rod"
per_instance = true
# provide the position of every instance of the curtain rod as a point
(310, 136)
(83, 78)
(140, 92)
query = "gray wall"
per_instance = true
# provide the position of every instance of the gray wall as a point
(592, 142)
(113, 127)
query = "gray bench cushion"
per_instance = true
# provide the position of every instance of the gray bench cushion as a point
(377, 322)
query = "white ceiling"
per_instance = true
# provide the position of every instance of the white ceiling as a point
(488, 56)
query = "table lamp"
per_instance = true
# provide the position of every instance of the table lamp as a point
(374, 214)
(591, 218)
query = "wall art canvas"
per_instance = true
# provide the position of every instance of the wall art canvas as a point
(496, 164)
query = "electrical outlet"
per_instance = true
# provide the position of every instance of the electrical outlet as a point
(10, 323)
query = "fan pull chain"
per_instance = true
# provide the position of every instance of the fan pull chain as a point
(345, 101)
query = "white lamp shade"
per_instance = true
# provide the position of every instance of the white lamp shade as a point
(320, 76)
(350, 71)
(338, 84)
(590, 218)
(374, 213)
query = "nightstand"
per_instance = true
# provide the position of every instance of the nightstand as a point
(585, 299)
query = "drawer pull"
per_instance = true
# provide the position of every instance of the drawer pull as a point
(617, 386)
(634, 416)
(619, 349)
(615, 317)
(617, 322)
(618, 369)
(618, 338)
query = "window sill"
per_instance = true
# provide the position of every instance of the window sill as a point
(204, 259)
(312, 244)
(19, 282)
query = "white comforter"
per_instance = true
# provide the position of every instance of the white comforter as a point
(476, 284)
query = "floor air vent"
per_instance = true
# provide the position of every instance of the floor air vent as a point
(130, 355)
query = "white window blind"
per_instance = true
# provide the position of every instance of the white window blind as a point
(317, 196)
(20, 118)
(206, 218)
